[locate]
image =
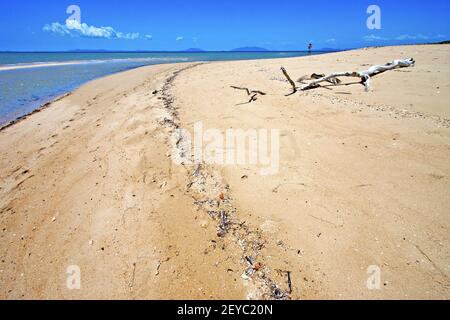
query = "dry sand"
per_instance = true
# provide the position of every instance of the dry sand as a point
(364, 181)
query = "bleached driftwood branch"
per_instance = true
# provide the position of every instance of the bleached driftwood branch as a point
(365, 76)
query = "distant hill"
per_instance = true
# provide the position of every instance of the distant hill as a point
(194, 50)
(88, 50)
(250, 49)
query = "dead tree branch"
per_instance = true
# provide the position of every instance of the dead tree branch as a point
(253, 98)
(253, 93)
(249, 92)
(365, 76)
(294, 87)
(239, 88)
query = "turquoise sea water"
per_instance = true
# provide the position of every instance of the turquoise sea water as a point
(24, 89)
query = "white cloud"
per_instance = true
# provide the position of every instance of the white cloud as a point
(179, 38)
(128, 36)
(404, 37)
(56, 27)
(419, 37)
(412, 37)
(74, 28)
(374, 38)
(148, 37)
(332, 40)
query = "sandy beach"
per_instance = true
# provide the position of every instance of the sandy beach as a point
(363, 182)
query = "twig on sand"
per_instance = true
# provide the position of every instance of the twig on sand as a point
(289, 279)
(294, 87)
(249, 92)
(253, 93)
(289, 282)
(253, 98)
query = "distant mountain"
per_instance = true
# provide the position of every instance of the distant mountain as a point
(88, 50)
(194, 50)
(250, 49)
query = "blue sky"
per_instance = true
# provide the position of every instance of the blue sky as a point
(218, 25)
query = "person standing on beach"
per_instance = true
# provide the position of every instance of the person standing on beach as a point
(310, 46)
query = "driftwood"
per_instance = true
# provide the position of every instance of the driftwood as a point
(365, 76)
(316, 76)
(253, 98)
(253, 93)
(294, 87)
(249, 92)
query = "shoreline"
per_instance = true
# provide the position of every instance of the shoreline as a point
(61, 96)
(37, 110)
(91, 182)
(445, 121)
(66, 63)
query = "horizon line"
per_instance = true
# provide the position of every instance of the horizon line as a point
(199, 50)
(166, 51)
